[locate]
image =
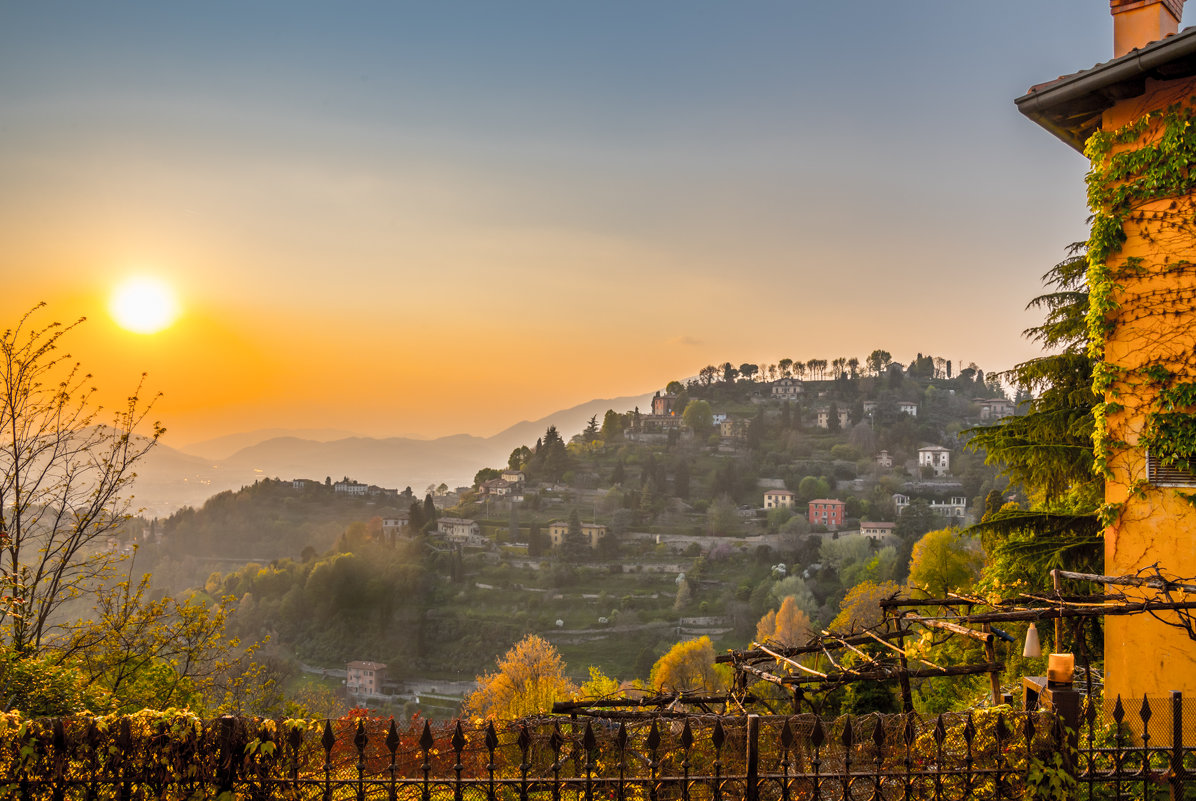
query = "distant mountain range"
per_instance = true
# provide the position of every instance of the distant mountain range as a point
(171, 478)
(224, 447)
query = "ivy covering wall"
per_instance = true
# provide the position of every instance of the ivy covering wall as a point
(1140, 186)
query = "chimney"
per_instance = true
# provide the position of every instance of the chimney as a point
(1137, 23)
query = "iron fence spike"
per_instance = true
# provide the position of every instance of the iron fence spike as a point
(426, 741)
(392, 738)
(458, 739)
(329, 739)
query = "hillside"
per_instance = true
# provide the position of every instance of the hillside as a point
(644, 527)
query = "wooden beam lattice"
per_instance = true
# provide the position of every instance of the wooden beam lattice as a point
(954, 615)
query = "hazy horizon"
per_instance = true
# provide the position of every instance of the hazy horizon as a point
(328, 435)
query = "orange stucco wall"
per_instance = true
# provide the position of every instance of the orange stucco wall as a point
(1156, 320)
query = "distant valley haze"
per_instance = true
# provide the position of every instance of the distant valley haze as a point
(172, 477)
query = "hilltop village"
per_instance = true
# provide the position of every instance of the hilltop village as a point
(733, 461)
(695, 517)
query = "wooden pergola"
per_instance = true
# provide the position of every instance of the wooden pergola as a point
(887, 658)
(830, 660)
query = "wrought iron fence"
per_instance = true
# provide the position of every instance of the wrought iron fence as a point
(986, 754)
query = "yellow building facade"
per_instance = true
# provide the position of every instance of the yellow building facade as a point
(1135, 118)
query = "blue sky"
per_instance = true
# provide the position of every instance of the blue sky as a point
(558, 201)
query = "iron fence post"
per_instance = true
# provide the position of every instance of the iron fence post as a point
(950, 762)
(753, 758)
(1175, 772)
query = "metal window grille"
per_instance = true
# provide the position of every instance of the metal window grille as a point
(1162, 474)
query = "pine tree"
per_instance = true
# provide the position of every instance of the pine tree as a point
(415, 516)
(535, 540)
(1048, 450)
(429, 514)
(575, 546)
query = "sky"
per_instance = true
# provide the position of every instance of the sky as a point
(423, 219)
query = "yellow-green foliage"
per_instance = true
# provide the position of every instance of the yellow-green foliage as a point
(689, 667)
(945, 560)
(861, 606)
(39, 686)
(530, 678)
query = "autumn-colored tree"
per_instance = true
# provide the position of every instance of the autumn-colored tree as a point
(600, 686)
(788, 626)
(945, 560)
(530, 678)
(689, 667)
(796, 587)
(861, 606)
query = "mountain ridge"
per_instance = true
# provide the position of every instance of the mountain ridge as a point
(173, 477)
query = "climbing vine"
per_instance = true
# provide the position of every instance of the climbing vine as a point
(1141, 183)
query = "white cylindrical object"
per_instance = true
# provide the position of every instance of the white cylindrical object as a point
(1033, 649)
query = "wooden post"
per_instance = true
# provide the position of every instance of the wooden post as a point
(907, 695)
(1058, 584)
(752, 790)
(994, 678)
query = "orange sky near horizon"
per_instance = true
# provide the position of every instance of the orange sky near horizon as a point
(419, 220)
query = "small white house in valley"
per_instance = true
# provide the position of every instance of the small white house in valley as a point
(994, 408)
(460, 531)
(876, 531)
(786, 388)
(778, 499)
(935, 457)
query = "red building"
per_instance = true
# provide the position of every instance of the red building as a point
(827, 512)
(662, 405)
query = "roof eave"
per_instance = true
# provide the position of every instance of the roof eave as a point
(1070, 107)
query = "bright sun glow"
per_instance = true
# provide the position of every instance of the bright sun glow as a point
(143, 305)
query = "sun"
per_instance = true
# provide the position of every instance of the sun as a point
(143, 305)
